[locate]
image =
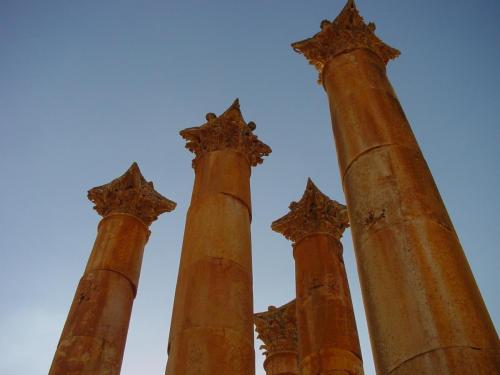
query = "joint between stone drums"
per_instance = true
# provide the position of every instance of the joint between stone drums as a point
(249, 209)
(330, 60)
(108, 216)
(131, 283)
(411, 219)
(318, 356)
(407, 217)
(337, 241)
(389, 145)
(360, 155)
(221, 331)
(274, 355)
(197, 161)
(242, 154)
(445, 348)
(196, 201)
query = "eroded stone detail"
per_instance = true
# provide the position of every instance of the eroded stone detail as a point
(314, 213)
(346, 33)
(130, 194)
(277, 328)
(227, 131)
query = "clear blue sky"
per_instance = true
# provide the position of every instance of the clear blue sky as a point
(88, 87)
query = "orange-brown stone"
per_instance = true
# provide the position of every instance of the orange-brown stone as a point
(282, 363)
(325, 314)
(212, 320)
(425, 312)
(277, 328)
(327, 333)
(94, 336)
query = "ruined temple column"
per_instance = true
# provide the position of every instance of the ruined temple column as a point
(327, 333)
(425, 312)
(211, 332)
(277, 328)
(94, 336)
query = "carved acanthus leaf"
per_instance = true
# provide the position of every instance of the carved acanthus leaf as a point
(315, 213)
(277, 328)
(130, 194)
(227, 131)
(346, 33)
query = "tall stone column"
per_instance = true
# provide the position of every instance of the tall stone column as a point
(212, 321)
(425, 312)
(327, 333)
(277, 328)
(94, 336)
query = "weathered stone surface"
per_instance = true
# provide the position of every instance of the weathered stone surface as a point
(282, 363)
(277, 329)
(95, 332)
(212, 294)
(347, 32)
(315, 213)
(325, 316)
(130, 194)
(116, 247)
(227, 131)
(211, 330)
(207, 351)
(454, 361)
(421, 300)
(94, 336)
(327, 335)
(228, 212)
(343, 362)
(233, 176)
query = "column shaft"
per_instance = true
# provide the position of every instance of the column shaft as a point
(328, 340)
(424, 309)
(94, 336)
(212, 321)
(327, 335)
(282, 363)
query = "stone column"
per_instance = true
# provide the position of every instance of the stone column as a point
(212, 320)
(277, 328)
(93, 338)
(425, 312)
(328, 337)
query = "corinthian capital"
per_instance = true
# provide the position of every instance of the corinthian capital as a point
(130, 194)
(277, 328)
(346, 33)
(227, 131)
(315, 213)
